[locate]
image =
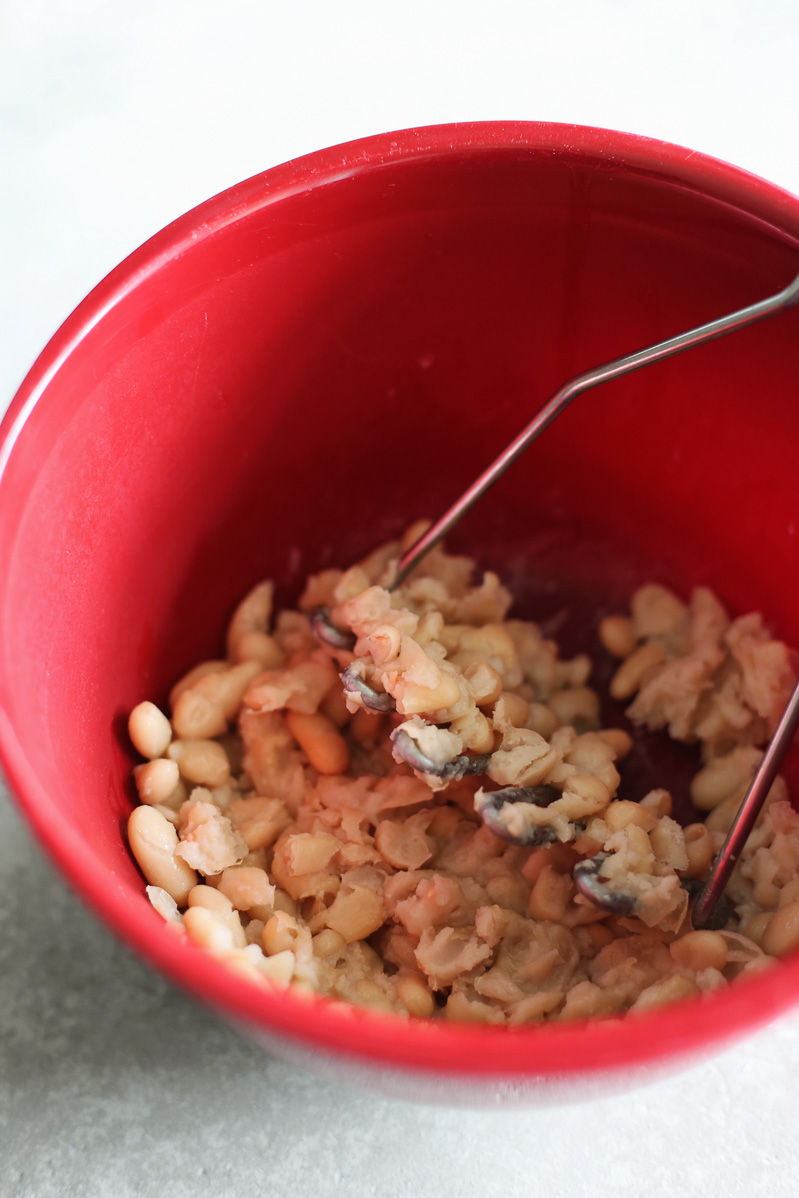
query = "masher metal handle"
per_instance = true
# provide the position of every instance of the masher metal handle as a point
(748, 812)
(576, 386)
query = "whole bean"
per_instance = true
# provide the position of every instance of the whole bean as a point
(617, 635)
(700, 950)
(782, 931)
(157, 781)
(699, 847)
(153, 841)
(196, 718)
(201, 761)
(149, 730)
(631, 673)
(323, 744)
(414, 994)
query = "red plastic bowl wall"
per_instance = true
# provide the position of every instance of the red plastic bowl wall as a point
(295, 370)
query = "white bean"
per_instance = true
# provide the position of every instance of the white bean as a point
(153, 841)
(149, 730)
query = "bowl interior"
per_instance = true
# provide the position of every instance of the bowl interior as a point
(294, 373)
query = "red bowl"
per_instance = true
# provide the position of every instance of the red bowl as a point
(294, 370)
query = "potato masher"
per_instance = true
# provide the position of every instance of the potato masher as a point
(586, 872)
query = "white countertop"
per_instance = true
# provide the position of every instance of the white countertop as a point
(115, 119)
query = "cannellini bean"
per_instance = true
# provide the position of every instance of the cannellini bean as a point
(246, 886)
(254, 932)
(294, 634)
(459, 1007)
(665, 991)
(542, 719)
(196, 718)
(757, 965)
(327, 943)
(367, 727)
(577, 706)
(201, 761)
(260, 647)
(260, 821)
(507, 891)
(658, 802)
(165, 905)
(561, 857)
(356, 912)
(782, 931)
(284, 902)
(656, 611)
(281, 933)
(239, 961)
(594, 756)
(383, 645)
(493, 644)
(721, 817)
(550, 895)
(583, 795)
(754, 928)
(193, 676)
(153, 841)
(622, 814)
(617, 635)
(516, 709)
(766, 894)
(485, 684)
(668, 844)
(722, 777)
(210, 929)
(169, 813)
(226, 689)
(158, 781)
(369, 994)
(699, 847)
(700, 950)
(600, 934)
(620, 741)
(415, 996)
(251, 615)
(291, 866)
(418, 699)
(631, 673)
(149, 730)
(475, 731)
(403, 844)
(321, 741)
(308, 852)
(213, 899)
(279, 968)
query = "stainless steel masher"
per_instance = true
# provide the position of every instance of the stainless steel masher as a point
(586, 872)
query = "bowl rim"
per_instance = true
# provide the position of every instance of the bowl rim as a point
(541, 1051)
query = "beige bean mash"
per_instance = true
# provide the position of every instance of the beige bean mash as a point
(281, 828)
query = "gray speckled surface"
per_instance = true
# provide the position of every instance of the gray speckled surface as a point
(114, 1085)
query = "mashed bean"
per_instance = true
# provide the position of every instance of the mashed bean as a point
(325, 861)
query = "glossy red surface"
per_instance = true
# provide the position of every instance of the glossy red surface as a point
(300, 366)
